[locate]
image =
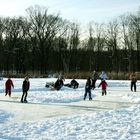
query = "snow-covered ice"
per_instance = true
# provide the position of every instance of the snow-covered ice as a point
(63, 115)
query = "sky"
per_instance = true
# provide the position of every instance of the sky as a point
(82, 11)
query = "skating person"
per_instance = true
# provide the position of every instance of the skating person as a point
(103, 76)
(25, 88)
(133, 81)
(8, 85)
(88, 88)
(94, 79)
(104, 85)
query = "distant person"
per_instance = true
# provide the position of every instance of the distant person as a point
(103, 76)
(8, 85)
(73, 84)
(133, 81)
(88, 88)
(25, 88)
(104, 86)
(58, 84)
(94, 79)
(55, 85)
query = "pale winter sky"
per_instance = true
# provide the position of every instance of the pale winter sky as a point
(82, 11)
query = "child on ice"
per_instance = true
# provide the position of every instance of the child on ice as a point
(104, 85)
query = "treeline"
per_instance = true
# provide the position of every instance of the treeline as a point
(45, 42)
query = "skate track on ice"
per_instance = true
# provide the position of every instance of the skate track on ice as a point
(37, 111)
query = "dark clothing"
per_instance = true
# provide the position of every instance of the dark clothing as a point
(88, 89)
(58, 84)
(94, 79)
(25, 88)
(55, 86)
(104, 92)
(73, 84)
(94, 83)
(133, 81)
(47, 85)
(24, 96)
(26, 85)
(8, 86)
(133, 84)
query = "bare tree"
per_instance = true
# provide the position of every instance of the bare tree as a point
(12, 36)
(72, 38)
(128, 42)
(135, 27)
(112, 34)
(96, 43)
(44, 27)
(2, 28)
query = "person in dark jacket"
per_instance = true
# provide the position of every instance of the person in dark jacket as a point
(58, 84)
(25, 88)
(88, 88)
(104, 85)
(73, 84)
(8, 85)
(94, 79)
(133, 81)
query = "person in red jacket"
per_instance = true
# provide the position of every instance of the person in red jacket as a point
(8, 85)
(104, 85)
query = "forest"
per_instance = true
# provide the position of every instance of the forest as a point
(43, 42)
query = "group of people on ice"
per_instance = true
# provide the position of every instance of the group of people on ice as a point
(90, 84)
(60, 83)
(25, 87)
